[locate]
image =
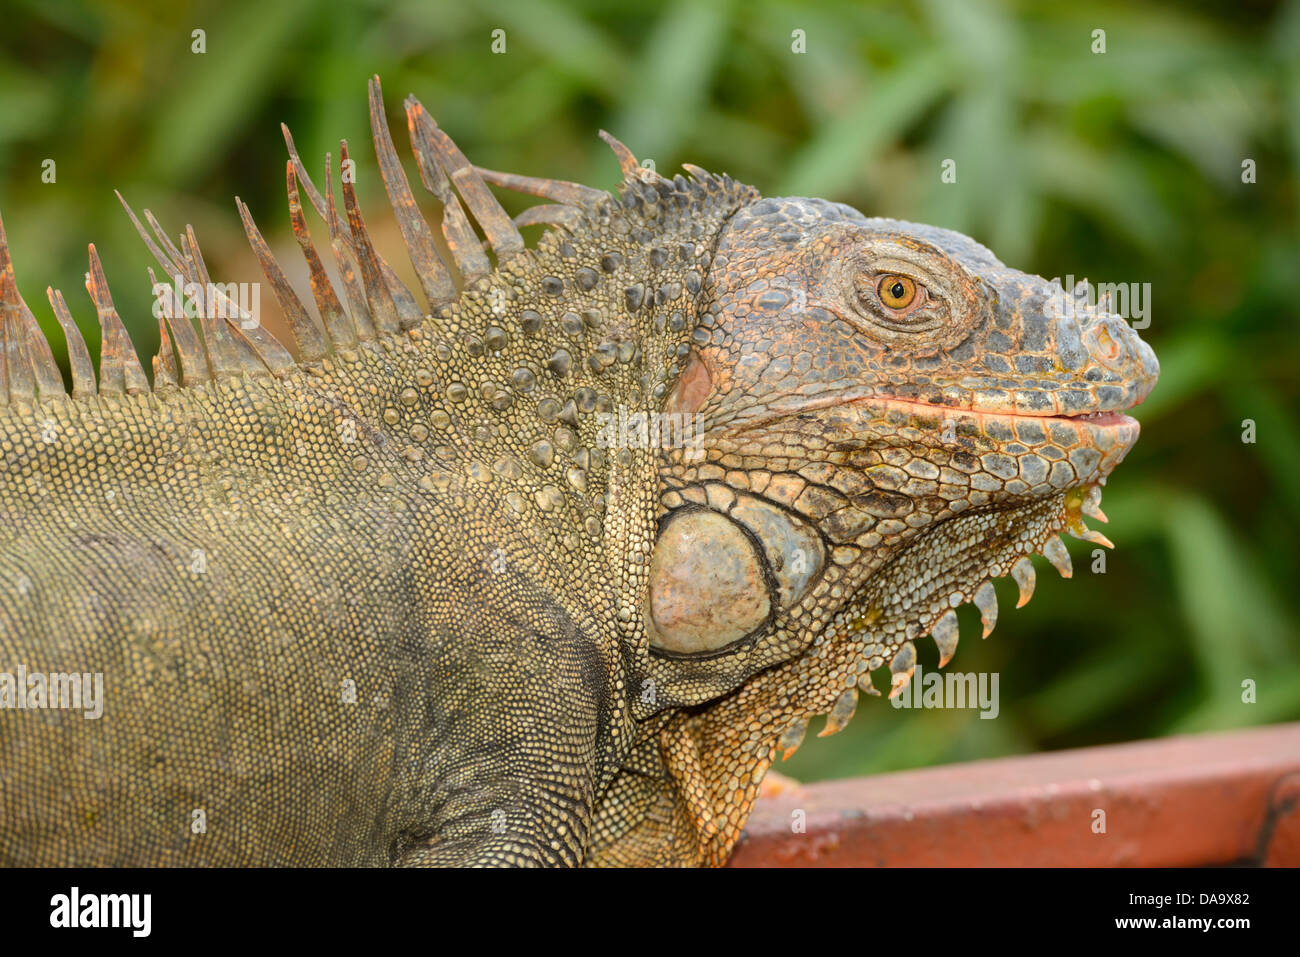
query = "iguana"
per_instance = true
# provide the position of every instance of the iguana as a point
(546, 573)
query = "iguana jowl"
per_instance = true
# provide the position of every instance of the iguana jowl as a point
(415, 598)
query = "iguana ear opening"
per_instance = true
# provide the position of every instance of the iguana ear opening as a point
(694, 386)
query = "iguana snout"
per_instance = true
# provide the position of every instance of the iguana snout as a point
(815, 305)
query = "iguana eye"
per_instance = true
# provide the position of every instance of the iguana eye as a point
(896, 292)
(894, 295)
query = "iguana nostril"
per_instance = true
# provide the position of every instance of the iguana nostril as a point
(1106, 343)
(1108, 346)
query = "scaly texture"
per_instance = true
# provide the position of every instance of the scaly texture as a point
(547, 573)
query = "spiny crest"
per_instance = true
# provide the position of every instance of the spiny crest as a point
(940, 619)
(230, 341)
(27, 368)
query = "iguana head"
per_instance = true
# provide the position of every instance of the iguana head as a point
(887, 417)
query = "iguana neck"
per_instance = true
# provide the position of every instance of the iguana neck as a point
(502, 394)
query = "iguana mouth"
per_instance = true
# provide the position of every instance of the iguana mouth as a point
(1106, 429)
(1102, 418)
(1098, 418)
(1095, 440)
(983, 406)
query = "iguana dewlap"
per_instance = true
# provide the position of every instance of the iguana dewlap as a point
(545, 572)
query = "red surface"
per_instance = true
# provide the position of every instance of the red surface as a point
(1206, 799)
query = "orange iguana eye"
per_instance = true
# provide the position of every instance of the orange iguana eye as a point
(896, 292)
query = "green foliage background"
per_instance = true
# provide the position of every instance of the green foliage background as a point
(1123, 166)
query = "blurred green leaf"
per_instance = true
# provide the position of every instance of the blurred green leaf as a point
(209, 101)
(669, 83)
(843, 150)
